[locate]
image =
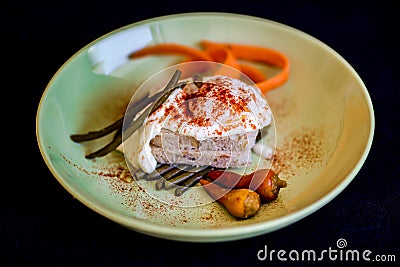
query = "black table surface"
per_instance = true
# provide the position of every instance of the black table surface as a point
(41, 224)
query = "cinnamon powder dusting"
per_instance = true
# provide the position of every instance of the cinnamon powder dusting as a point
(301, 149)
(222, 93)
(194, 103)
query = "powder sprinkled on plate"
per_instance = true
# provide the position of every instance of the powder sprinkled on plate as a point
(300, 149)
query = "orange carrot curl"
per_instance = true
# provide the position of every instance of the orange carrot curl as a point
(258, 54)
(228, 54)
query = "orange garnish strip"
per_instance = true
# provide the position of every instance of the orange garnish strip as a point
(229, 54)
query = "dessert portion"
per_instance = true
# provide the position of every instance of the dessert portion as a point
(209, 123)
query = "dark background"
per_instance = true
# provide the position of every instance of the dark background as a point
(42, 225)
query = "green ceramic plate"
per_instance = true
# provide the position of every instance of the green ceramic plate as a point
(323, 116)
